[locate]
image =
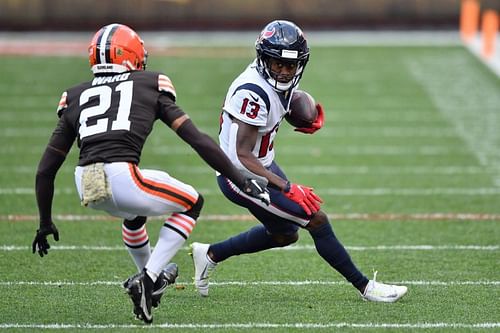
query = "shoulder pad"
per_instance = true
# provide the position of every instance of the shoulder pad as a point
(62, 104)
(165, 85)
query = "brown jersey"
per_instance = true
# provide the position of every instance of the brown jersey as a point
(111, 116)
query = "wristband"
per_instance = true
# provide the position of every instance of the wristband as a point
(287, 188)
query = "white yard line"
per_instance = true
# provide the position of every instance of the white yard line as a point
(218, 326)
(13, 248)
(251, 283)
(246, 217)
(350, 150)
(345, 131)
(341, 192)
(314, 169)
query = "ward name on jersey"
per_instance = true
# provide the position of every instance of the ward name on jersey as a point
(110, 79)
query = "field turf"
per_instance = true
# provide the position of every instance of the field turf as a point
(408, 164)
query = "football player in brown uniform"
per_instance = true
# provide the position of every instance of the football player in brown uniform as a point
(110, 117)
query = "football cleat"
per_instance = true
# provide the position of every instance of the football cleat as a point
(139, 287)
(166, 278)
(202, 267)
(381, 292)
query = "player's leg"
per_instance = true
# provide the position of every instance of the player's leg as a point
(335, 254)
(279, 228)
(160, 194)
(149, 193)
(136, 240)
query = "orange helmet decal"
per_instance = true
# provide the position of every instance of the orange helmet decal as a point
(116, 48)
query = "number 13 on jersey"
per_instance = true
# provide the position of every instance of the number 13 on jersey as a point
(249, 108)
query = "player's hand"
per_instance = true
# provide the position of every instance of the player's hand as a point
(317, 124)
(252, 188)
(40, 243)
(305, 197)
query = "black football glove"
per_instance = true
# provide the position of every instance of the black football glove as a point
(252, 188)
(40, 242)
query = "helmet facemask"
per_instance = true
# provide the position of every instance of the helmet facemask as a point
(281, 82)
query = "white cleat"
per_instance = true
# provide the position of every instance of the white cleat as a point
(203, 266)
(381, 292)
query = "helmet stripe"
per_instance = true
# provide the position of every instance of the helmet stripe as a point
(104, 42)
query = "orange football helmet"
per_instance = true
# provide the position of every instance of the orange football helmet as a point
(116, 48)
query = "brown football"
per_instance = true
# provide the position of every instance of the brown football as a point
(302, 110)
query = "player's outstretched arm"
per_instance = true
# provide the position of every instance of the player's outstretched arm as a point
(210, 151)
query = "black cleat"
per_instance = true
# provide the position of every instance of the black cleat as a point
(166, 278)
(140, 289)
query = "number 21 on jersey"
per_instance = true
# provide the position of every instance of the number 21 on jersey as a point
(104, 93)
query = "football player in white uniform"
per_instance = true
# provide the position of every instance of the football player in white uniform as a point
(256, 103)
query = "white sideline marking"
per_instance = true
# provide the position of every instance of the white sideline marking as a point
(247, 217)
(252, 283)
(323, 191)
(11, 248)
(254, 325)
(474, 115)
(475, 47)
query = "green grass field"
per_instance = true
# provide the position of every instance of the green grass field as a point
(408, 164)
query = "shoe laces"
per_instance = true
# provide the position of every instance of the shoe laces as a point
(381, 288)
(375, 275)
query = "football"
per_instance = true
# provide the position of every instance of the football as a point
(302, 110)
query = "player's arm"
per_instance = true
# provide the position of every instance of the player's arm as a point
(55, 153)
(208, 149)
(246, 139)
(245, 142)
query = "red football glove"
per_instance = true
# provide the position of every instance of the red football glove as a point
(317, 124)
(305, 197)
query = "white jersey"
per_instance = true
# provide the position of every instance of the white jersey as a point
(252, 100)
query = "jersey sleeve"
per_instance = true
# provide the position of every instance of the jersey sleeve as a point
(169, 111)
(63, 105)
(248, 106)
(165, 85)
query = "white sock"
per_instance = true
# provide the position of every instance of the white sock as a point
(173, 234)
(138, 246)
(165, 249)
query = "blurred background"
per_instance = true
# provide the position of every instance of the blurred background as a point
(23, 15)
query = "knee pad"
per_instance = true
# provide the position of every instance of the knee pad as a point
(195, 210)
(318, 220)
(136, 223)
(284, 239)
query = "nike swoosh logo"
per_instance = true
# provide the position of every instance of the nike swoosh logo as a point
(204, 274)
(254, 98)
